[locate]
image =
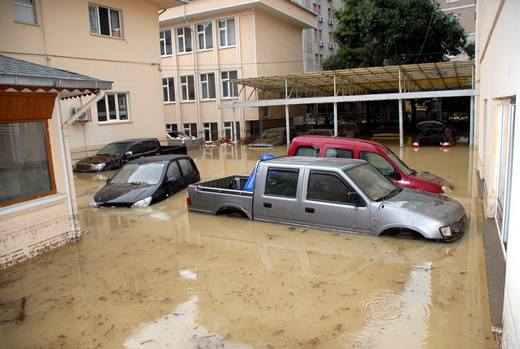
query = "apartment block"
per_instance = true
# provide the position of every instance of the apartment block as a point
(466, 11)
(206, 44)
(318, 42)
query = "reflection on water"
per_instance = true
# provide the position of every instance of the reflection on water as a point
(161, 277)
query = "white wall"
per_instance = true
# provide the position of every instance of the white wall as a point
(498, 76)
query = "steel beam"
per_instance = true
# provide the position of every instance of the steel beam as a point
(335, 109)
(287, 131)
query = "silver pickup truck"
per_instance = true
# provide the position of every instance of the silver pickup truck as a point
(337, 194)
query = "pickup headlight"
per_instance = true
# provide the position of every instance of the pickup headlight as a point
(446, 231)
(446, 189)
(93, 203)
(143, 203)
(98, 167)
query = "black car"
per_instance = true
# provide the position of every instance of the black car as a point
(112, 156)
(147, 180)
(434, 132)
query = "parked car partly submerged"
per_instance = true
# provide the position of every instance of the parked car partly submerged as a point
(113, 155)
(377, 154)
(148, 180)
(180, 139)
(434, 132)
(272, 137)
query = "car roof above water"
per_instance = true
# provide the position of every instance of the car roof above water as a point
(317, 162)
(158, 158)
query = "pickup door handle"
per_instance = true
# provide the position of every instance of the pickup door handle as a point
(309, 210)
(267, 205)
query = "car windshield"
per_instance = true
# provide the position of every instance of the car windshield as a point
(112, 149)
(148, 174)
(272, 133)
(372, 182)
(397, 160)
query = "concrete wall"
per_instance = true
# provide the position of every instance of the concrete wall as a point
(498, 77)
(62, 39)
(32, 227)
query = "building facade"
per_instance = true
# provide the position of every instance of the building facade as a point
(113, 40)
(318, 42)
(498, 144)
(466, 11)
(206, 44)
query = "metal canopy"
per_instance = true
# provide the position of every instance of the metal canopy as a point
(414, 78)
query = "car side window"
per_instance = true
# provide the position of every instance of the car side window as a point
(137, 148)
(328, 187)
(339, 153)
(150, 145)
(308, 151)
(174, 170)
(185, 166)
(282, 182)
(378, 162)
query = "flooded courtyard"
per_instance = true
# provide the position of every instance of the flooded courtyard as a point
(161, 277)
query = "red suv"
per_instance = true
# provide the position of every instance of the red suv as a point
(376, 154)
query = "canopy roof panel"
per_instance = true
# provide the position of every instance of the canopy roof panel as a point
(450, 75)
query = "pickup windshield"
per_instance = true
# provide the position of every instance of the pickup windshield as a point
(376, 186)
(112, 149)
(139, 174)
(400, 163)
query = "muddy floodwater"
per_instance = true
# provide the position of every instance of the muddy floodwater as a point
(161, 277)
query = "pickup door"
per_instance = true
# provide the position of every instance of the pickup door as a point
(326, 203)
(277, 197)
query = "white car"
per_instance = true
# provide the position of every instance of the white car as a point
(179, 138)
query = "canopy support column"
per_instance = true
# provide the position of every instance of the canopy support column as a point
(287, 131)
(472, 112)
(400, 104)
(335, 109)
(234, 125)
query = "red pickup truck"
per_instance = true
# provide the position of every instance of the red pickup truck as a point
(376, 154)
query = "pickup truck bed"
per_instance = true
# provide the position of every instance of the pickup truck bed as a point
(222, 194)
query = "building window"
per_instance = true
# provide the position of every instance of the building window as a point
(113, 107)
(184, 39)
(187, 88)
(190, 129)
(168, 90)
(25, 160)
(316, 37)
(329, 12)
(24, 11)
(229, 89)
(205, 36)
(210, 131)
(171, 127)
(226, 28)
(207, 86)
(105, 21)
(165, 39)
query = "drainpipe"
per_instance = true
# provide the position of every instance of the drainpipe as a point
(67, 166)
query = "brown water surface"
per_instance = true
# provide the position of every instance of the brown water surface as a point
(161, 277)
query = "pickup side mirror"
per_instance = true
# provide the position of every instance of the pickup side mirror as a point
(354, 198)
(129, 153)
(109, 180)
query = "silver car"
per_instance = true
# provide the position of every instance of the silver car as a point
(337, 194)
(179, 139)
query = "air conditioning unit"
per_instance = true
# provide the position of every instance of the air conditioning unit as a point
(331, 21)
(331, 45)
(84, 117)
(320, 19)
(322, 44)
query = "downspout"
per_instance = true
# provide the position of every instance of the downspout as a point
(67, 167)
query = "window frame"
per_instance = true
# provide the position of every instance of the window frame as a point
(230, 86)
(336, 148)
(203, 34)
(98, 24)
(363, 152)
(187, 86)
(118, 115)
(49, 164)
(168, 86)
(205, 86)
(162, 43)
(313, 147)
(225, 29)
(333, 174)
(184, 41)
(282, 169)
(33, 6)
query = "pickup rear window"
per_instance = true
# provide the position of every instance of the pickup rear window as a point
(281, 182)
(308, 151)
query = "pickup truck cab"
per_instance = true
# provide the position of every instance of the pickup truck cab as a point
(337, 194)
(114, 155)
(378, 155)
